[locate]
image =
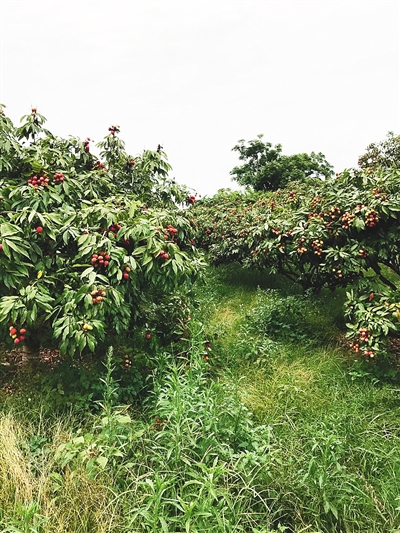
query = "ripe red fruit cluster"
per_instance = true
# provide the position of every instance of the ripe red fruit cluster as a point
(158, 426)
(100, 260)
(126, 271)
(347, 220)
(113, 130)
(130, 163)
(114, 228)
(37, 181)
(191, 199)
(364, 334)
(59, 177)
(98, 295)
(164, 255)
(355, 346)
(317, 245)
(170, 230)
(371, 218)
(86, 146)
(39, 229)
(17, 336)
(338, 273)
(315, 201)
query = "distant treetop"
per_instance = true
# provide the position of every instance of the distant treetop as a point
(265, 168)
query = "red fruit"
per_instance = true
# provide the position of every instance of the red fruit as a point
(107, 257)
(148, 335)
(22, 331)
(22, 338)
(1, 246)
(166, 256)
(106, 263)
(93, 260)
(39, 229)
(125, 275)
(16, 341)
(87, 148)
(13, 331)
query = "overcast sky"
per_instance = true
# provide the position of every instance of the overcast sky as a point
(197, 75)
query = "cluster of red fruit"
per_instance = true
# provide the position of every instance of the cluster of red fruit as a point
(355, 346)
(158, 426)
(99, 165)
(113, 130)
(364, 334)
(371, 218)
(379, 194)
(130, 163)
(114, 228)
(98, 295)
(125, 274)
(347, 220)
(334, 213)
(317, 245)
(338, 273)
(127, 363)
(318, 216)
(315, 201)
(301, 248)
(59, 177)
(17, 336)
(170, 232)
(191, 199)
(100, 260)
(37, 181)
(86, 146)
(163, 255)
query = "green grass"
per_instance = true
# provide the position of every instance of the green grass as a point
(275, 428)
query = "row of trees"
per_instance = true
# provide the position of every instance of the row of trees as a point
(340, 232)
(100, 246)
(89, 246)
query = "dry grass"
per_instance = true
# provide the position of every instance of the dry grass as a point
(72, 502)
(16, 481)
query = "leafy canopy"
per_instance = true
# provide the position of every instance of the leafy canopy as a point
(265, 168)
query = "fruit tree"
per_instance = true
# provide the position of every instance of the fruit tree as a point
(89, 246)
(342, 232)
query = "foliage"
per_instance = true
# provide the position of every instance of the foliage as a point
(87, 245)
(265, 168)
(383, 154)
(293, 446)
(338, 233)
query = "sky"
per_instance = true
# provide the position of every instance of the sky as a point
(196, 76)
